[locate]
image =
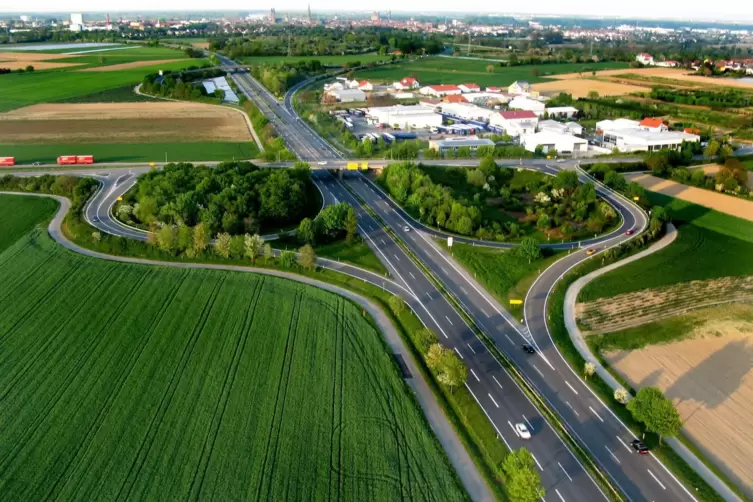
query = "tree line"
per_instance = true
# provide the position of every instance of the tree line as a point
(234, 197)
(729, 98)
(185, 84)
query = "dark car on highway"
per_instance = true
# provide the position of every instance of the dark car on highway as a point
(640, 447)
(529, 348)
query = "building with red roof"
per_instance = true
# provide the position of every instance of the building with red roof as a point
(440, 90)
(652, 124)
(454, 98)
(406, 83)
(469, 88)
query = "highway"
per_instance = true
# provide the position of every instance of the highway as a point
(503, 402)
(599, 431)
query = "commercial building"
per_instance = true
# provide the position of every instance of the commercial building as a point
(467, 112)
(405, 117)
(653, 125)
(455, 98)
(554, 142)
(440, 90)
(469, 88)
(572, 128)
(347, 95)
(514, 123)
(616, 125)
(561, 112)
(365, 85)
(638, 140)
(645, 58)
(472, 142)
(519, 87)
(523, 103)
(406, 84)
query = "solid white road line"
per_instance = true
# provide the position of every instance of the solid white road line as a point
(537, 462)
(495, 379)
(529, 423)
(513, 428)
(510, 339)
(594, 412)
(538, 370)
(493, 401)
(612, 453)
(558, 494)
(458, 352)
(448, 320)
(571, 387)
(657, 480)
(475, 375)
(469, 346)
(624, 444)
(563, 470)
(571, 407)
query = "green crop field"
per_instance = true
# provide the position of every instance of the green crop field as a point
(127, 152)
(444, 70)
(24, 89)
(325, 60)
(20, 214)
(134, 382)
(709, 244)
(106, 58)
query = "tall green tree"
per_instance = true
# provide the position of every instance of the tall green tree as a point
(167, 239)
(253, 246)
(201, 238)
(529, 249)
(222, 244)
(656, 412)
(307, 257)
(522, 482)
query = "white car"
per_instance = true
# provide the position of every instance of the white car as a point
(322, 162)
(406, 228)
(560, 161)
(522, 431)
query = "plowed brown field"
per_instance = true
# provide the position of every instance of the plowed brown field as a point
(122, 123)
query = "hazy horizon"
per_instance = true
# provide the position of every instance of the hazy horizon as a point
(637, 9)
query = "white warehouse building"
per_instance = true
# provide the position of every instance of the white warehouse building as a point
(404, 116)
(552, 141)
(639, 140)
(472, 142)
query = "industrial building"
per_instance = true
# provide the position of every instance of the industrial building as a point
(472, 142)
(515, 122)
(410, 116)
(639, 140)
(347, 95)
(561, 112)
(440, 90)
(554, 142)
(561, 128)
(523, 103)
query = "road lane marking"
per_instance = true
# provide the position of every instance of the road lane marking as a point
(495, 379)
(625, 444)
(448, 320)
(475, 375)
(538, 370)
(594, 412)
(463, 290)
(656, 479)
(383, 243)
(558, 494)
(461, 355)
(411, 274)
(444, 270)
(499, 434)
(537, 462)
(484, 311)
(513, 428)
(510, 339)
(529, 423)
(493, 401)
(563, 470)
(427, 294)
(571, 407)
(469, 346)
(612, 453)
(571, 387)
(396, 257)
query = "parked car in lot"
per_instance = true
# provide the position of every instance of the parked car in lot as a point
(522, 431)
(640, 447)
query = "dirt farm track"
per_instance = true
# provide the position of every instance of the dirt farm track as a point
(122, 123)
(710, 379)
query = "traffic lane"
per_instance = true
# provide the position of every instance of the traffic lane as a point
(555, 450)
(98, 211)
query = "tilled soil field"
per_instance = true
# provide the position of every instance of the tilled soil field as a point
(122, 123)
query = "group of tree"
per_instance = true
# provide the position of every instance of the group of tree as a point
(661, 162)
(497, 152)
(731, 177)
(234, 197)
(446, 366)
(715, 99)
(332, 223)
(521, 479)
(279, 77)
(185, 84)
(274, 146)
(656, 412)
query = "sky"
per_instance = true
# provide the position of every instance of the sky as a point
(727, 10)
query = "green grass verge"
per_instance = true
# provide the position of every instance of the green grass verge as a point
(441, 70)
(506, 275)
(20, 214)
(24, 89)
(232, 381)
(671, 329)
(358, 253)
(134, 152)
(710, 244)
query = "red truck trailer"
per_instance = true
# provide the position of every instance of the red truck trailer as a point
(66, 160)
(7, 161)
(84, 159)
